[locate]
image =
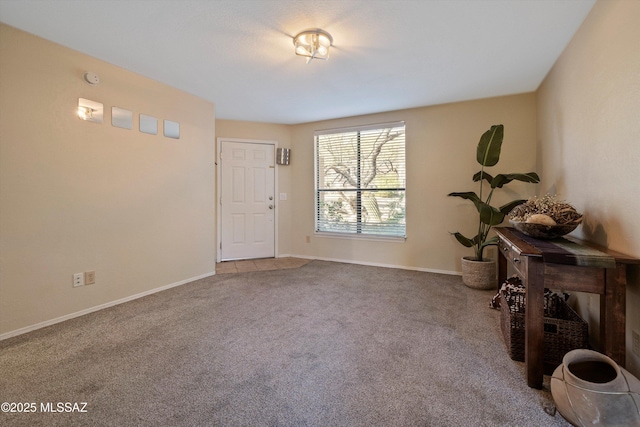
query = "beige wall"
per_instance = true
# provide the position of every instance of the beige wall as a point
(77, 196)
(441, 143)
(441, 157)
(589, 146)
(282, 135)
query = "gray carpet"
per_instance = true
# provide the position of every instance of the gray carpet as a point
(327, 344)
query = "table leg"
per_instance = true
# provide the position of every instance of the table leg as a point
(534, 322)
(612, 314)
(502, 268)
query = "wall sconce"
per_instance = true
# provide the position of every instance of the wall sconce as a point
(283, 156)
(90, 111)
(313, 44)
(85, 113)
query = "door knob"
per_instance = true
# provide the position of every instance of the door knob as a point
(270, 206)
(270, 197)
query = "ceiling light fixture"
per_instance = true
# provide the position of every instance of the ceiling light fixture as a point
(313, 44)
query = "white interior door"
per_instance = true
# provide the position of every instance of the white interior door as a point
(247, 203)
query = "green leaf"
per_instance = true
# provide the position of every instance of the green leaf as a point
(488, 151)
(502, 179)
(505, 209)
(484, 175)
(465, 241)
(490, 215)
(469, 195)
(490, 242)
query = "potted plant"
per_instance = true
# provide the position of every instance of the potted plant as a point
(478, 272)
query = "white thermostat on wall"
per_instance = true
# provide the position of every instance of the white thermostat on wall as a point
(91, 78)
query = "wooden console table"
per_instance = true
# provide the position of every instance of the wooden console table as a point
(540, 264)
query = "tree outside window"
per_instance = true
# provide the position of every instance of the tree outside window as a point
(360, 180)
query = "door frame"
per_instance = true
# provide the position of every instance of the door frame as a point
(218, 209)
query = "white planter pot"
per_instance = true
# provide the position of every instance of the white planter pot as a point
(590, 389)
(479, 274)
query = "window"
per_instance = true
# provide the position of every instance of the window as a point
(360, 180)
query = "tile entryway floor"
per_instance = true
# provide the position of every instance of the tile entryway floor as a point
(261, 264)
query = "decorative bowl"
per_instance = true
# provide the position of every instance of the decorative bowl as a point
(541, 231)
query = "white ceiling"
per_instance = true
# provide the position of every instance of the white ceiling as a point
(387, 54)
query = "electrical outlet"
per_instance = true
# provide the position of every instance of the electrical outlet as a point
(89, 277)
(78, 280)
(636, 343)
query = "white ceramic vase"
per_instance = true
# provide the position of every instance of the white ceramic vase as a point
(590, 389)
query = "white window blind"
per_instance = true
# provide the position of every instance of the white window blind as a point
(361, 180)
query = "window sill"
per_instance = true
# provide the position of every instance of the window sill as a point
(326, 234)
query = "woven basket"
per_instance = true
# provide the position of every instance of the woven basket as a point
(564, 330)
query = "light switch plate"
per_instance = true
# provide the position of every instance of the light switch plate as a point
(78, 280)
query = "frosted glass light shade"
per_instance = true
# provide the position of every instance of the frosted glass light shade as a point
(313, 44)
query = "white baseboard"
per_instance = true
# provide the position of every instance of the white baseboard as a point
(377, 264)
(99, 307)
(183, 282)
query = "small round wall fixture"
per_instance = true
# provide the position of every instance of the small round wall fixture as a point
(313, 44)
(91, 78)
